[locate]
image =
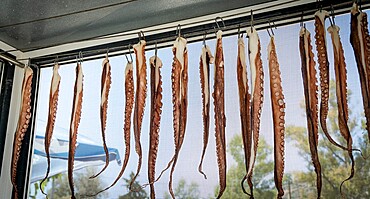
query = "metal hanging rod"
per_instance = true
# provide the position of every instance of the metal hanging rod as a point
(281, 17)
(11, 60)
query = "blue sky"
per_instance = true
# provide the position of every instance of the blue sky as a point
(288, 55)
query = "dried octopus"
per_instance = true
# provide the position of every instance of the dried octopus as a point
(23, 124)
(322, 54)
(244, 102)
(205, 59)
(341, 91)
(256, 101)
(106, 81)
(179, 79)
(75, 121)
(311, 101)
(53, 105)
(278, 116)
(360, 41)
(155, 118)
(219, 110)
(141, 89)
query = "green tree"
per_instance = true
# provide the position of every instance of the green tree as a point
(263, 178)
(185, 191)
(138, 193)
(334, 161)
(83, 185)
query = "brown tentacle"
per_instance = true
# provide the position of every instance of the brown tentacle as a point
(220, 119)
(245, 106)
(75, 121)
(205, 59)
(53, 105)
(23, 124)
(155, 118)
(278, 116)
(361, 46)
(141, 89)
(310, 92)
(341, 91)
(179, 99)
(129, 98)
(256, 98)
(106, 81)
(323, 62)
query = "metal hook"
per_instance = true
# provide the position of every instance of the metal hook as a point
(129, 51)
(204, 39)
(107, 53)
(80, 57)
(251, 20)
(332, 21)
(155, 50)
(359, 2)
(319, 5)
(240, 35)
(56, 60)
(178, 30)
(223, 23)
(141, 36)
(301, 23)
(271, 28)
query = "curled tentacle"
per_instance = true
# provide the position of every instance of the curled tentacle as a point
(155, 118)
(360, 41)
(341, 91)
(129, 97)
(205, 59)
(141, 89)
(278, 116)
(75, 121)
(53, 105)
(219, 110)
(23, 124)
(106, 81)
(311, 100)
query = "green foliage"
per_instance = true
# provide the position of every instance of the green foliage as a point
(185, 191)
(263, 178)
(83, 186)
(138, 193)
(334, 161)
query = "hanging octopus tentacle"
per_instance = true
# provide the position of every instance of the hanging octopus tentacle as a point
(256, 98)
(141, 89)
(129, 98)
(75, 121)
(219, 110)
(179, 99)
(278, 116)
(155, 118)
(341, 91)
(53, 105)
(360, 41)
(205, 59)
(106, 81)
(311, 100)
(23, 124)
(244, 103)
(323, 62)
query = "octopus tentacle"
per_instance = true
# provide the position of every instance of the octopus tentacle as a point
(310, 92)
(75, 121)
(106, 81)
(341, 91)
(179, 99)
(141, 89)
(129, 97)
(256, 98)
(155, 118)
(205, 59)
(322, 54)
(244, 103)
(53, 105)
(23, 124)
(220, 118)
(278, 116)
(360, 41)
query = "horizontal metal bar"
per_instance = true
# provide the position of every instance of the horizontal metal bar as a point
(11, 60)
